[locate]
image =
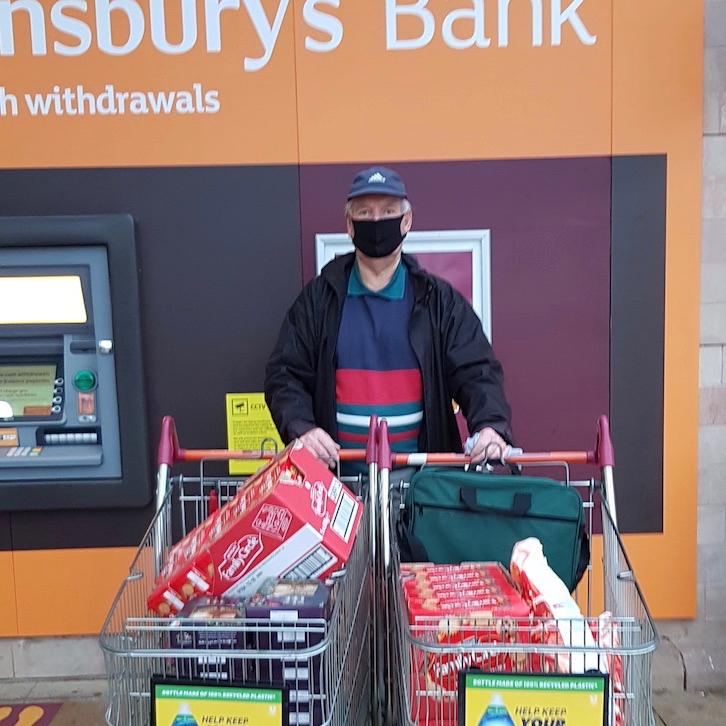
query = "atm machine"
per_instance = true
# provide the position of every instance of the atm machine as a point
(72, 407)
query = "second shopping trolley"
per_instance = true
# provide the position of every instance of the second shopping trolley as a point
(423, 658)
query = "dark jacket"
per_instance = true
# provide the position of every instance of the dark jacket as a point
(455, 356)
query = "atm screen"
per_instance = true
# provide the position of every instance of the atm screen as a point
(27, 389)
(41, 299)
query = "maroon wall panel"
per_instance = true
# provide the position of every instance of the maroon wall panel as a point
(550, 238)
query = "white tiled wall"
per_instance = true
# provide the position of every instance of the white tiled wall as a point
(712, 378)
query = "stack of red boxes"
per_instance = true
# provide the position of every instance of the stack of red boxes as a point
(294, 518)
(474, 605)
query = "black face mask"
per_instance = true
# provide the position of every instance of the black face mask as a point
(377, 238)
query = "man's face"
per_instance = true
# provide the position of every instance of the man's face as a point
(373, 207)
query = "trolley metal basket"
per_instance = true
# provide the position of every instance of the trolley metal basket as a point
(424, 659)
(327, 661)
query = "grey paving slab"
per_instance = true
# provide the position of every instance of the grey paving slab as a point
(701, 709)
(15, 691)
(88, 713)
(78, 690)
(57, 658)
(702, 649)
(6, 659)
(668, 667)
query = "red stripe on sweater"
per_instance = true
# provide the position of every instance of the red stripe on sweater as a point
(381, 387)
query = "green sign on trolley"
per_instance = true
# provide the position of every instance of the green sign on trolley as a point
(190, 703)
(517, 699)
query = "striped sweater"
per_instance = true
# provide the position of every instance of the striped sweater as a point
(377, 370)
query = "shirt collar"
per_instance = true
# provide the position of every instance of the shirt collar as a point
(394, 290)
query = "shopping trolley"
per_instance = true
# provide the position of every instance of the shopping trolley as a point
(422, 659)
(329, 658)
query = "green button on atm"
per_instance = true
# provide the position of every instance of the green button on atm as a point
(84, 381)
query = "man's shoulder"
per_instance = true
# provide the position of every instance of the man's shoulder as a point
(336, 271)
(337, 265)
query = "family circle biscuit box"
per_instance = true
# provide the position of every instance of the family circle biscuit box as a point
(468, 606)
(292, 519)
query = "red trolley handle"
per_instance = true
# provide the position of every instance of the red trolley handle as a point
(602, 456)
(169, 452)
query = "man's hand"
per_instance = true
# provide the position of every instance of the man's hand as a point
(320, 443)
(490, 446)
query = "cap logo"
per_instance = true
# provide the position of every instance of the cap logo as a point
(377, 178)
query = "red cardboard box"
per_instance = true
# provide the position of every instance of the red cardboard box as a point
(431, 707)
(293, 519)
(457, 618)
(473, 593)
(481, 590)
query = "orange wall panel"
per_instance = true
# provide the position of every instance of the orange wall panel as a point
(255, 123)
(354, 101)
(67, 592)
(8, 611)
(362, 102)
(657, 102)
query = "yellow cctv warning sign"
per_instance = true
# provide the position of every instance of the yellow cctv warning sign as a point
(249, 428)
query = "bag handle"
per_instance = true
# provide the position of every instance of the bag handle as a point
(521, 503)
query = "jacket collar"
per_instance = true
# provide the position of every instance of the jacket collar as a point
(337, 272)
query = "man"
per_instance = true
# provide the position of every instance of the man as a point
(375, 333)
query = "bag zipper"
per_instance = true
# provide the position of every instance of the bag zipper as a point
(452, 507)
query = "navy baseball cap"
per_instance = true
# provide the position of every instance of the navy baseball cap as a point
(377, 180)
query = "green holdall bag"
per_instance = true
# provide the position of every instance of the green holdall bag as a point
(453, 516)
